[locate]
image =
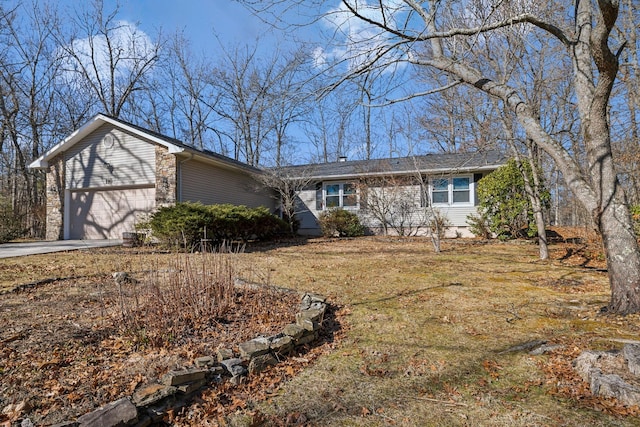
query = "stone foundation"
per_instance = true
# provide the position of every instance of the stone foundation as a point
(55, 199)
(166, 171)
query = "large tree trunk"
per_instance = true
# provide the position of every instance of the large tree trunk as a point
(542, 231)
(623, 257)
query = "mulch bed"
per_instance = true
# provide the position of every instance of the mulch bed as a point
(63, 353)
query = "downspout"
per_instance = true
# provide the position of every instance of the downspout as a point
(180, 176)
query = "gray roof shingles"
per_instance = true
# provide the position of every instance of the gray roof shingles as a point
(429, 163)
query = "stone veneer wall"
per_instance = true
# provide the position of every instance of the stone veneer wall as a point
(166, 174)
(55, 199)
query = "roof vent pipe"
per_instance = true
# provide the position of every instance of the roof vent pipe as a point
(342, 158)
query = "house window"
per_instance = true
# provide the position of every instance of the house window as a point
(349, 196)
(451, 191)
(461, 190)
(340, 195)
(440, 191)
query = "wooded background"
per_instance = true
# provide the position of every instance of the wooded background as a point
(286, 104)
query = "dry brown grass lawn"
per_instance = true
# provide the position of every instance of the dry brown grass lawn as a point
(425, 335)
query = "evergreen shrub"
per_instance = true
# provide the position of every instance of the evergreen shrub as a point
(340, 223)
(184, 225)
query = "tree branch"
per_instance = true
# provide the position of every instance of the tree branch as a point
(525, 18)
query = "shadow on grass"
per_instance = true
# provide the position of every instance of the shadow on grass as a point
(407, 293)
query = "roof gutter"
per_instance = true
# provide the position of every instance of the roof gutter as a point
(387, 173)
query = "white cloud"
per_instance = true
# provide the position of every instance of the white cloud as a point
(319, 56)
(358, 41)
(125, 48)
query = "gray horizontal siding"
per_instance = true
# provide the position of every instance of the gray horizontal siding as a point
(212, 184)
(457, 215)
(92, 164)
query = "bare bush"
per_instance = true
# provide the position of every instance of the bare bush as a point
(196, 291)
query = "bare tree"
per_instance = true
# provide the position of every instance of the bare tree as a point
(444, 37)
(27, 105)
(286, 185)
(258, 98)
(328, 125)
(188, 94)
(289, 102)
(626, 136)
(107, 55)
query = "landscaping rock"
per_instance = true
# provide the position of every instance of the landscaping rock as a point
(294, 331)
(305, 339)
(611, 385)
(234, 366)
(254, 347)
(631, 354)
(191, 387)
(216, 371)
(152, 394)
(261, 362)
(600, 370)
(311, 301)
(157, 412)
(224, 354)
(281, 344)
(119, 413)
(316, 315)
(205, 361)
(307, 324)
(184, 376)
(589, 361)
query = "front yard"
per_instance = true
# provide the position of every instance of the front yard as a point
(424, 338)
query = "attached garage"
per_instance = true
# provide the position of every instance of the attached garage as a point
(109, 175)
(106, 214)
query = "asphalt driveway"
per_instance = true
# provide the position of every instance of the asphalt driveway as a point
(8, 250)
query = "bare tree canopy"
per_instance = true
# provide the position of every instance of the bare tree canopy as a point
(466, 42)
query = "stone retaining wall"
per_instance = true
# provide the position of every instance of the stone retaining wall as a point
(176, 388)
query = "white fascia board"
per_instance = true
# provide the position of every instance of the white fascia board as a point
(387, 173)
(173, 149)
(42, 162)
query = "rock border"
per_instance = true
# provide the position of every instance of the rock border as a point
(598, 368)
(176, 388)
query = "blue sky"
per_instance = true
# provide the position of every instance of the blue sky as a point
(200, 20)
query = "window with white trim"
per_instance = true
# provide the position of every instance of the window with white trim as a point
(339, 195)
(451, 191)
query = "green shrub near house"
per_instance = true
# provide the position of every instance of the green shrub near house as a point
(504, 208)
(340, 223)
(186, 224)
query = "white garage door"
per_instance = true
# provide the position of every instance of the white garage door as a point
(106, 214)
